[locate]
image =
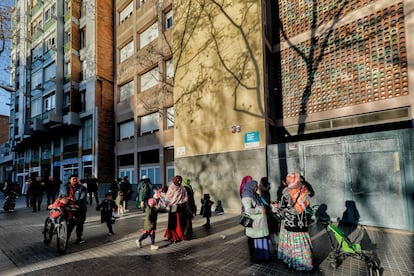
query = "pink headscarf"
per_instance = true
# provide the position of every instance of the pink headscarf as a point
(176, 194)
(245, 179)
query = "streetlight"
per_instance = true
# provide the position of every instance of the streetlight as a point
(8, 88)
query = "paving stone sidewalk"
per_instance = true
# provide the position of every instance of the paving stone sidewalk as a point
(222, 250)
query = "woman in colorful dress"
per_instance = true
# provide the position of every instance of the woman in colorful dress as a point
(295, 247)
(176, 199)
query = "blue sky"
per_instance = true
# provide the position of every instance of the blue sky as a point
(5, 74)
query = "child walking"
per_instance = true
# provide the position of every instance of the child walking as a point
(107, 207)
(150, 224)
(205, 211)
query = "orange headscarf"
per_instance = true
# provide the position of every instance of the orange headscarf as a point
(298, 192)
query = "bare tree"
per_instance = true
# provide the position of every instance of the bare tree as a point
(5, 31)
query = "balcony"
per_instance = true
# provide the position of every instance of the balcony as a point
(72, 119)
(37, 124)
(51, 118)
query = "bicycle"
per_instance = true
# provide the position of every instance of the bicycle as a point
(344, 246)
(57, 224)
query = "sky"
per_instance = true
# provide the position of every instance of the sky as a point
(5, 74)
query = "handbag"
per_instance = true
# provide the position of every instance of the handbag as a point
(246, 220)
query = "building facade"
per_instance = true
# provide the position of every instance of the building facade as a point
(62, 110)
(264, 88)
(144, 112)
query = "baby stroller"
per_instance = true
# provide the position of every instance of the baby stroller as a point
(344, 247)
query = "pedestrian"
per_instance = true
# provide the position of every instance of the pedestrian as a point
(52, 187)
(144, 192)
(176, 199)
(257, 234)
(205, 210)
(279, 192)
(92, 184)
(114, 188)
(245, 179)
(35, 191)
(150, 224)
(192, 208)
(25, 191)
(295, 247)
(126, 189)
(107, 208)
(77, 193)
(264, 189)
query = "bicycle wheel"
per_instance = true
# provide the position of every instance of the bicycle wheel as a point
(62, 236)
(48, 231)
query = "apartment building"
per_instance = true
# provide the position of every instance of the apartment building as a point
(144, 111)
(62, 71)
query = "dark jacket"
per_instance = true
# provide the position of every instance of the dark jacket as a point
(107, 206)
(144, 189)
(151, 216)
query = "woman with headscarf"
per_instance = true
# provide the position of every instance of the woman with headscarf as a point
(295, 247)
(176, 199)
(245, 179)
(257, 235)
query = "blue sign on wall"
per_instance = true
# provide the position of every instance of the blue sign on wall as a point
(251, 139)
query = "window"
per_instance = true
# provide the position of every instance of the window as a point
(50, 43)
(49, 102)
(83, 38)
(125, 13)
(50, 72)
(148, 35)
(82, 94)
(126, 51)
(169, 69)
(126, 91)
(36, 107)
(170, 117)
(87, 134)
(149, 79)
(126, 130)
(168, 17)
(153, 173)
(150, 123)
(36, 79)
(66, 99)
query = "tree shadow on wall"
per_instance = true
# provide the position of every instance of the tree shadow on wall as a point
(314, 54)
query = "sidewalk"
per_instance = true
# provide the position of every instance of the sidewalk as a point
(222, 250)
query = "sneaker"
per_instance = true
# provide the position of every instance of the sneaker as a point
(80, 241)
(110, 233)
(139, 243)
(154, 247)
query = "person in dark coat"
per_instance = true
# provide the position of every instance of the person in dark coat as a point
(206, 204)
(126, 189)
(144, 192)
(107, 207)
(92, 184)
(35, 191)
(192, 208)
(115, 187)
(52, 187)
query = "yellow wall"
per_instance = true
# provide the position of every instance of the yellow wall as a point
(218, 63)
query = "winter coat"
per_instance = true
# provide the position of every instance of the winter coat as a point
(107, 206)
